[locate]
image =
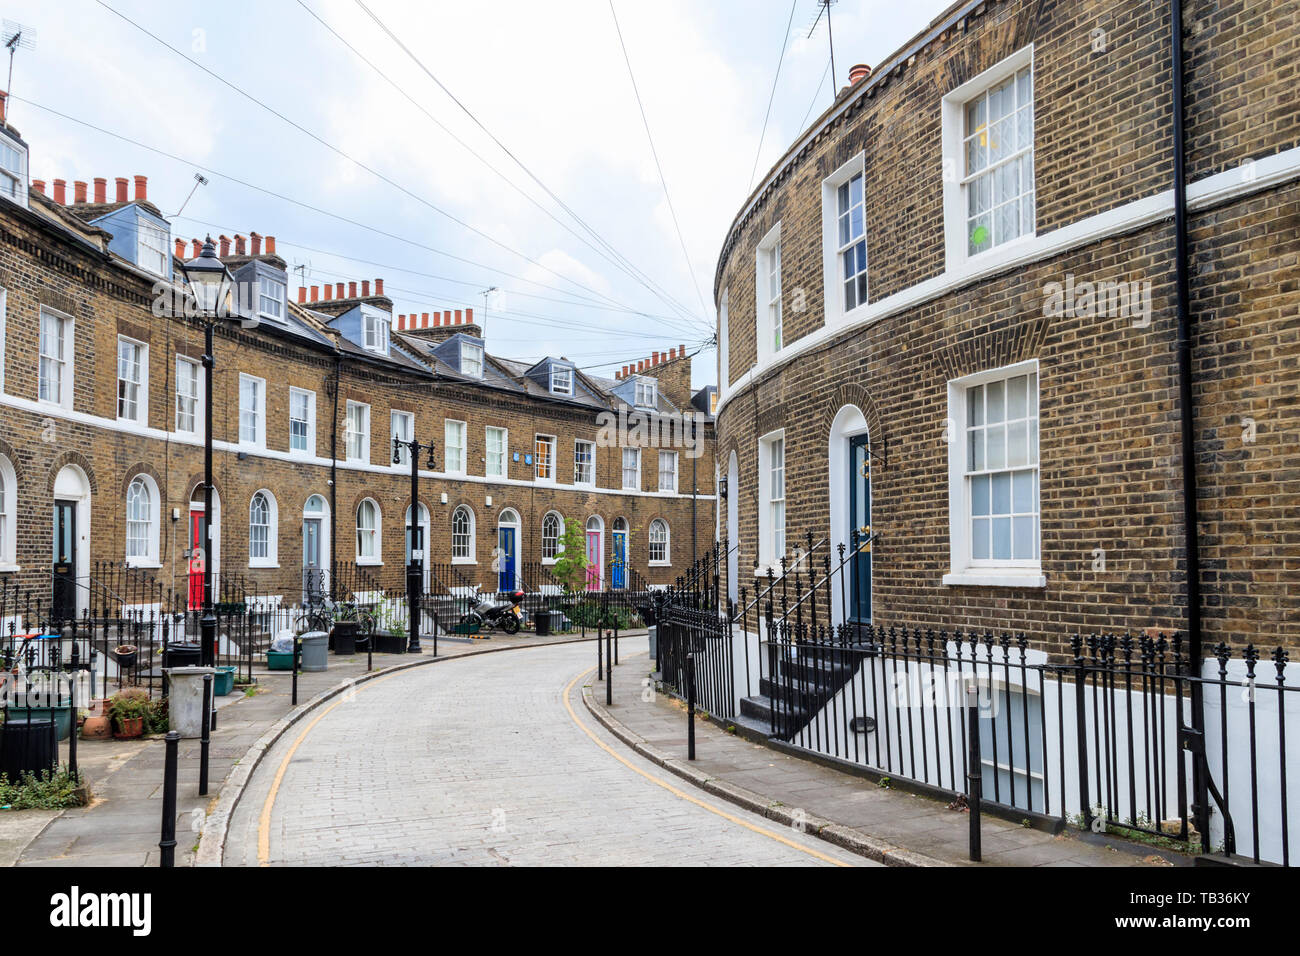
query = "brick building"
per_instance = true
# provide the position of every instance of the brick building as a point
(101, 422)
(962, 278)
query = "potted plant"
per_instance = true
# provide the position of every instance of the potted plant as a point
(347, 618)
(128, 710)
(125, 655)
(390, 636)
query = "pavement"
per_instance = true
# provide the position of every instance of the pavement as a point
(122, 825)
(488, 761)
(886, 824)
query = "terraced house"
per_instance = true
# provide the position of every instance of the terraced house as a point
(1014, 322)
(101, 424)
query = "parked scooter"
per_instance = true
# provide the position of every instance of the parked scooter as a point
(488, 615)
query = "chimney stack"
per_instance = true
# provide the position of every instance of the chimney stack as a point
(469, 316)
(352, 290)
(302, 294)
(379, 287)
(79, 191)
(180, 248)
(270, 245)
(60, 191)
(141, 188)
(424, 320)
(101, 189)
(858, 72)
(196, 247)
(121, 189)
(223, 249)
(39, 186)
(338, 290)
(240, 247)
(256, 241)
(315, 293)
(365, 288)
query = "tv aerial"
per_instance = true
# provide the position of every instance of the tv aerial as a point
(16, 37)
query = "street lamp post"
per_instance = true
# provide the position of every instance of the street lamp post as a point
(415, 568)
(209, 282)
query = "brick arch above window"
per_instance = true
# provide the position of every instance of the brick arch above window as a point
(195, 487)
(72, 458)
(142, 468)
(377, 499)
(7, 451)
(771, 419)
(967, 353)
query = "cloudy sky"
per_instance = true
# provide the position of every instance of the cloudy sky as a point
(555, 199)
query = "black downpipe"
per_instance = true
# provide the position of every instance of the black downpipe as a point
(1191, 545)
(334, 478)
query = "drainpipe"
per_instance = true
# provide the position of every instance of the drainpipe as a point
(1191, 548)
(334, 477)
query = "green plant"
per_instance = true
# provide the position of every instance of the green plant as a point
(157, 718)
(346, 613)
(52, 790)
(392, 621)
(128, 704)
(570, 568)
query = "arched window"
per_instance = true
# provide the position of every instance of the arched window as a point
(368, 531)
(620, 524)
(8, 516)
(552, 525)
(262, 536)
(659, 541)
(142, 521)
(462, 534)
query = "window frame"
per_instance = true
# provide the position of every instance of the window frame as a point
(480, 359)
(955, 198)
(141, 398)
(769, 310)
(590, 480)
(652, 386)
(376, 534)
(462, 468)
(469, 551)
(310, 450)
(349, 432)
(964, 570)
(636, 451)
(8, 516)
(282, 300)
(833, 249)
(196, 398)
(259, 413)
(395, 415)
(675, 474)
(150, 557)
(375, 333)
(666, 544)
(65, 362)
(4, 321)
(558, 537)
(271, 558)
(504, 452)
(146, 228)
(769, 555)
(567, 371)
(551, 441)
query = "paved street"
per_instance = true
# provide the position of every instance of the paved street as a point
(490, 760)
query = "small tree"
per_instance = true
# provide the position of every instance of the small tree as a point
(571, 566)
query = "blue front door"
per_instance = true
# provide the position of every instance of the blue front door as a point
(860, 518)
(506, 569)
(618, 578)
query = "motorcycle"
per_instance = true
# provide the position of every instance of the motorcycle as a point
(487, 615)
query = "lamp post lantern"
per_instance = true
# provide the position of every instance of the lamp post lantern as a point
(209, 283)
(415, 567)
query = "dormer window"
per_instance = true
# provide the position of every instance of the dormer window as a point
(646, 394)
(270, 298)
(471, 360)
(375, 333)
(13, 173)
(561, 380)
(151, 247)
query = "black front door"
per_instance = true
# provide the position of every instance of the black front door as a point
(860, 519)
(63, 601)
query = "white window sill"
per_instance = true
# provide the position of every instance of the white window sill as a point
(7, 568)
(544, 481)
(369, 562)
(360, 461)
(762, 570)
(131, 421)
(264, 564)
(549, 561)
(660, 564)
(464, 561)
(996, 578)
(142, 563)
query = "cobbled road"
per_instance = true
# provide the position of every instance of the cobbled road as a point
(478, 762)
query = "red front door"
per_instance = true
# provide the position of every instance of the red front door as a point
(197, 557)
(593, 561)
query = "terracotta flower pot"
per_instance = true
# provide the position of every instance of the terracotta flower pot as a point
(128, 728)
(95, 728)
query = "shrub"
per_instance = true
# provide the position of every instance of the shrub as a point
(52, 790)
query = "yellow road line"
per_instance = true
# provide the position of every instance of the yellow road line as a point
(264, 821)
(686, 796)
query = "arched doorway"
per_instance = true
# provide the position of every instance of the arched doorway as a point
(619, 563)
(420, 543)
(70, 551)
(204, 546)
(507, 556)
(595, 553)
(315, 549)
(849, 457)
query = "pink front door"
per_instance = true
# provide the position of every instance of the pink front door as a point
(593, 561)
